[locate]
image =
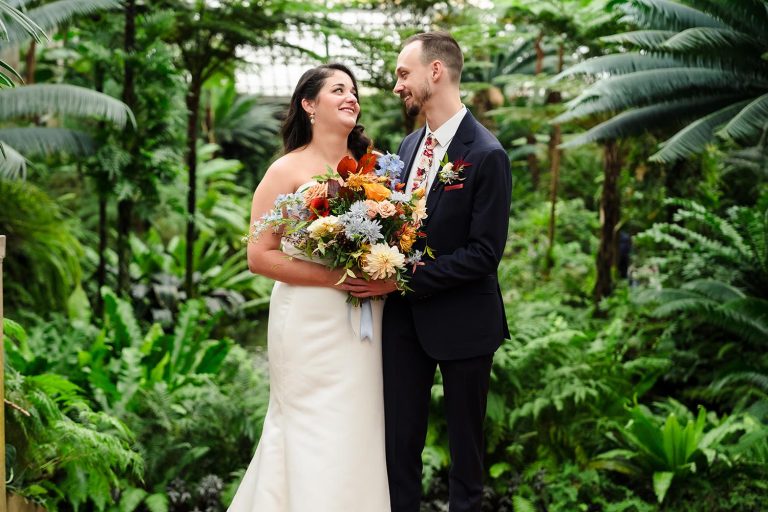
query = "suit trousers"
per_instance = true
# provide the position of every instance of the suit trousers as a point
(408, 377)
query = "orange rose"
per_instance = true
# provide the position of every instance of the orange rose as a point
(376, 191)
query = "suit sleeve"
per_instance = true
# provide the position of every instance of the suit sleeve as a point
(481, 254)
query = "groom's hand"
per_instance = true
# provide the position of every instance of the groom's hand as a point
(362, 289)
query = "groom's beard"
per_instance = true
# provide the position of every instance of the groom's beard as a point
(417, 102)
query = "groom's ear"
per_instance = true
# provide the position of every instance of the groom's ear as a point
(436, 70)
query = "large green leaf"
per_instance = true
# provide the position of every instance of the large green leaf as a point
(668, 15)
(662, 480)
(648, 39)
(717, 39)
(41, 99)
(750, 122)
(693, 138)
(748, 16)
(20, 21)
(621, 64)
(12, 163)
(50, 15)
(651, 86)
(42, 141)
(633, 122)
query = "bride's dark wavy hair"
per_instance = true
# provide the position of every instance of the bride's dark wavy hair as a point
(297, 130)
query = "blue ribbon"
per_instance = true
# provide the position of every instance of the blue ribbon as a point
(366, 319)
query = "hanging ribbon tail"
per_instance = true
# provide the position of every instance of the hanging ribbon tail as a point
(361, 320)
(366, 321)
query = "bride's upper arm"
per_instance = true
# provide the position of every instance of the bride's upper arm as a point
(276, 181)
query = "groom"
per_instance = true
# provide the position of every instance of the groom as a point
(454, 317)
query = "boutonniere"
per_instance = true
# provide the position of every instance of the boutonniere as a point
(451, 172)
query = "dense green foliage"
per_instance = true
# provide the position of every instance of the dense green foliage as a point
(127, 391)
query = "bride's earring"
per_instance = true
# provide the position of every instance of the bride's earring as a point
(312, 118)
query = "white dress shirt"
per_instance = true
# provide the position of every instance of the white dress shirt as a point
(443, 135)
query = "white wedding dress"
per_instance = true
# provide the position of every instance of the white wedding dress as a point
(322, 447)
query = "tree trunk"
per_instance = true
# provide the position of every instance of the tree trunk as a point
(610, 209)
(539, 54)
(102, 191)
(29, 69)
(555, 154)
(125, 206)
(533, 162)
(555, 138)
(193, 109)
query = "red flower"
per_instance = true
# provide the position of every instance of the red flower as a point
(367, 163)
(319, 207)
(346, 166)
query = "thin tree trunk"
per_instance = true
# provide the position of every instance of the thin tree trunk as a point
(539, 54)
(610, 209)
(29, 69)
(533, 162)
(193, 109)
(554, 168)
(101, 188)
(555, 154)
(125, 206)
(101, 270)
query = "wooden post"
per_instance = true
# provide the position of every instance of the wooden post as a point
(2, 382)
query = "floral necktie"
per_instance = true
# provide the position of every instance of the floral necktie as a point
(425, 164)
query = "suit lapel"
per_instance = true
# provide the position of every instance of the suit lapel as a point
(457, 149)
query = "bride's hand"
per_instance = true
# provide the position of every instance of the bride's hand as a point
(362, 289)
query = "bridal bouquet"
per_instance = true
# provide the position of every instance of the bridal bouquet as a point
(356, 218)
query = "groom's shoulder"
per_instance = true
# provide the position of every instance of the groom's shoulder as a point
(485, 140)
(414, 135)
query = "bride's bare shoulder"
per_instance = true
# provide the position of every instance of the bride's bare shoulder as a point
(285, 168)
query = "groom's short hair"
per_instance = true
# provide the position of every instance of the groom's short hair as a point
(443, 47)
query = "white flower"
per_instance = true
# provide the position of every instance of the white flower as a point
(383, 261)
(420, 210)
(324, 226)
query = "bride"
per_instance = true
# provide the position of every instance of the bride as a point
(322, 447)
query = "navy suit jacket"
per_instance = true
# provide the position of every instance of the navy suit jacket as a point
(455, 299)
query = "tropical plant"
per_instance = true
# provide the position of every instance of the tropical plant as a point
(62, 453)
(43, 255)
(696, 61)
(731, 248)
(45, 100)
(672, 450)
(245, 127)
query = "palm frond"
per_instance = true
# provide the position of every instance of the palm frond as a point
(649, 86)
(694, 137)
(21, 22)
(667, 15)
(51, 15)
(8, 75)
(43, 141)
(647, 39)
(41, 99)
(750, 122)
(708, 38)
(749, 16)
(12, 163)
(641, 120)
(621, 64)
